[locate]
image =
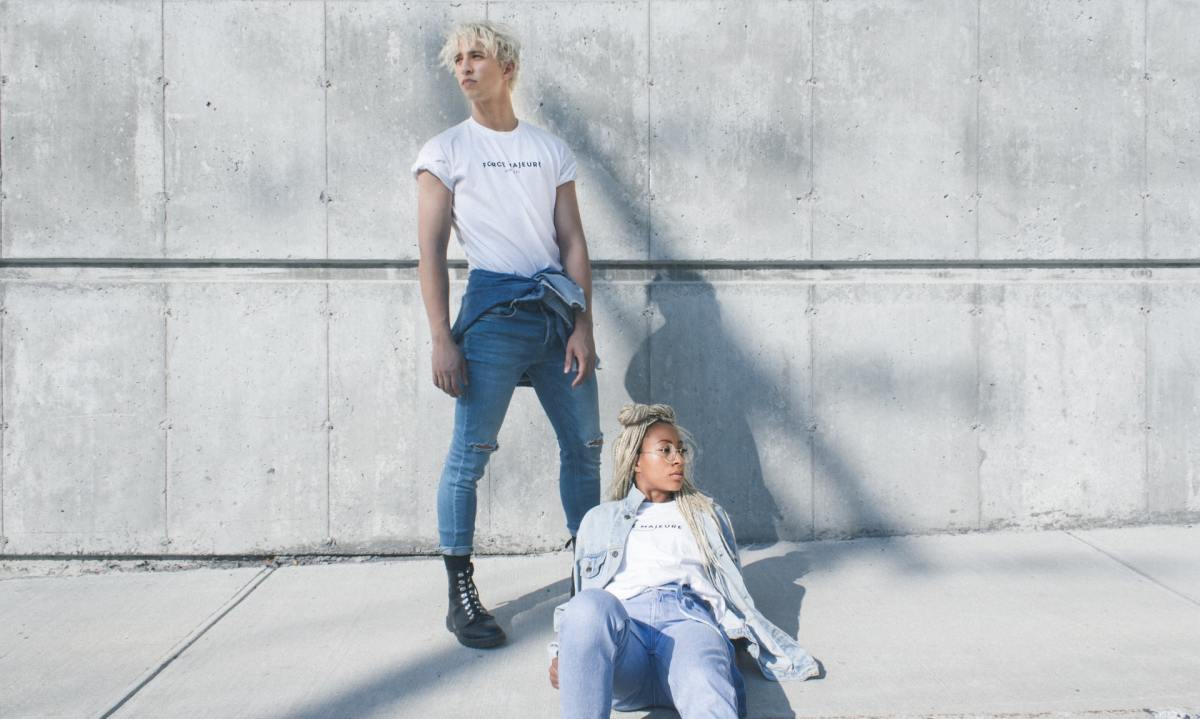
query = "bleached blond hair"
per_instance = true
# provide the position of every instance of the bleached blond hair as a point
(694, 505)
(497, 39)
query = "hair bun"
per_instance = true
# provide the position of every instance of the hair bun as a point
(635, 414)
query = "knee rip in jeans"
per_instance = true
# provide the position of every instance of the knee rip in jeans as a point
(596, 443)
(484, 447)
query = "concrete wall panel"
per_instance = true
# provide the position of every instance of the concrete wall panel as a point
(383, 478)
(730, 130)
(584, 77)
(524, 510)
(83, 402)
(1062, 375)
(1054, 181)
(1173, 367)
(83, 135)
(245, 129)
(387, 96)
(895, 403)
(894, 142)
(248, 404)
(734, 362)
(1173, 131)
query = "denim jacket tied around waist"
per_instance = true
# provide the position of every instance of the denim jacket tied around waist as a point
(487, 289)
(600, 546)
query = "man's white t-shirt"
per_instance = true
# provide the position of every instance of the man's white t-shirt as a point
(660, 550)
(504, 186)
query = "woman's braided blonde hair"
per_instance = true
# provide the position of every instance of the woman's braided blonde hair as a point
(693, 504)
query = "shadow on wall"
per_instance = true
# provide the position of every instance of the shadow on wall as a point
(693, 363)
(695, 367)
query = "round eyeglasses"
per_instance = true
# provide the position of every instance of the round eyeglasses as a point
(670, 452)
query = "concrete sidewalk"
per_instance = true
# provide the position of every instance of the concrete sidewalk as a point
(1099, 623)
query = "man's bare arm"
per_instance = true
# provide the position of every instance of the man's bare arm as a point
(433, 237)
(572, 248)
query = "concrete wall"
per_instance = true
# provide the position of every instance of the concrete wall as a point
(902, 266)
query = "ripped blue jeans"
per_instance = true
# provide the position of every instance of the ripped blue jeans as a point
(503, 344)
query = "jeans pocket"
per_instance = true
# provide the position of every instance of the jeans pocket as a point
(501, 311)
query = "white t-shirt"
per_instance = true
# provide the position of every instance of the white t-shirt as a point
(661, 549)
(504, 186)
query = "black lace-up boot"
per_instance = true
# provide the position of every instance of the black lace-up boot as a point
(467, 619)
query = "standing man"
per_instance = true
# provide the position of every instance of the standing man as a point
(507, 188)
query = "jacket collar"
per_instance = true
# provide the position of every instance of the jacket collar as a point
(634, 499)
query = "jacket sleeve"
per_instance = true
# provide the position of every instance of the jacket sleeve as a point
(727, 532)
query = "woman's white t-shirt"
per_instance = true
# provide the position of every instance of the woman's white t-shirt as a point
(660, 550)
(504, 185)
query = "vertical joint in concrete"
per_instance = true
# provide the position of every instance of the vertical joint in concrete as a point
(325, 94)
(329, 541)
(812, 130)
(162, 81)
(3, 82)
(978, 120)
(812, 411)
(1147, 429)
(1145, 179)
(3, 418)
(649, 134)
(166, 412)
(977, 422)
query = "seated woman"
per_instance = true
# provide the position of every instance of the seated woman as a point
(659, 592)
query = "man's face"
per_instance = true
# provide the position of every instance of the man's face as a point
(479, 75)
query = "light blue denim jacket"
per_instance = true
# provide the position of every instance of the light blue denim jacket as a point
(600, 546)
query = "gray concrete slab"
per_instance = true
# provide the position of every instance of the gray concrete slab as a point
(1173, 401)
(585, 76)
(248, 468)
(1062, 381)
(245, 129)
(84, 408)
(83, 129)
(369, 640)
(73, 647)
(895, 408)
(982, 624)
(1024, 624)
(730, 139)
(1172, 142)
(894, 149)
(1169, 556)
(387, 96)
(381, 491)
(1053, 182)
(740, 380)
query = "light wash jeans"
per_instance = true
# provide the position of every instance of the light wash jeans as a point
(504, 343)
(644, 652)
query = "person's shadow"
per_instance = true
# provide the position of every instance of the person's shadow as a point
(691, 363)
(774, 584)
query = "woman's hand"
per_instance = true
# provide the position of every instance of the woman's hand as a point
(554, 672)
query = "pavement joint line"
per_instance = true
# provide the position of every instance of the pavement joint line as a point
(1135, 570)
(188, 641)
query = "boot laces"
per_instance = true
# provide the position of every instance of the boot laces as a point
(468, 595)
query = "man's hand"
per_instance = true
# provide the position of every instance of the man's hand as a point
(554, 672)
(449, 367)
(581, 351)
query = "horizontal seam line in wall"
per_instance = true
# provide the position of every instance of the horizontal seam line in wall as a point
(618, 264)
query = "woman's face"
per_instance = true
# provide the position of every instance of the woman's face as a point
(659, 469)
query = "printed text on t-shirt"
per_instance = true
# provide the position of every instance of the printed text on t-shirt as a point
(511, 165)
